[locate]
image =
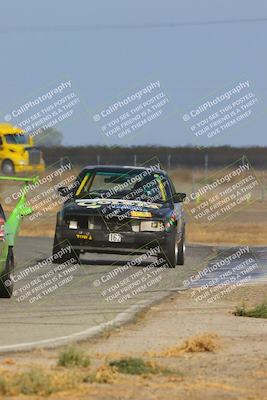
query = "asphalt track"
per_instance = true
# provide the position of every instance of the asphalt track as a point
(83, 304)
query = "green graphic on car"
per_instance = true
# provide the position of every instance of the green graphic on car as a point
(9, 229)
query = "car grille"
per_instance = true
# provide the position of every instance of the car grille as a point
(100, 223)
(34, 156)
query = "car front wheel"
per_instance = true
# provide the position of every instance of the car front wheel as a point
(6, 283)
(66, 256)
(170, 250)
(181, 251)
(8, 167)
(174, 252)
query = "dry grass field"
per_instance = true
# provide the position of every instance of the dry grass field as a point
(243, 224)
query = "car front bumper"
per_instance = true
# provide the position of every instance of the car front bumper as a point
(99, 241)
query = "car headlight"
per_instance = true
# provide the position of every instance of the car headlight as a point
(22, 162)
(73, 224)
(152, 226)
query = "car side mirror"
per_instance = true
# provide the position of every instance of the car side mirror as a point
(63, 191)
(179, 197)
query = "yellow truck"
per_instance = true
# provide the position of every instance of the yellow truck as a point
(17, 151)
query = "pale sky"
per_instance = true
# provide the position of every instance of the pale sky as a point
(111, 48)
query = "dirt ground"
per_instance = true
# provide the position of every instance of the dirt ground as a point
(236, 369)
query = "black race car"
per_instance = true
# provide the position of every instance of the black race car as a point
(114, 209)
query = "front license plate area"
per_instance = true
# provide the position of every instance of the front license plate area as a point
(114, 237)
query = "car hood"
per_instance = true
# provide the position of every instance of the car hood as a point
(115, 207)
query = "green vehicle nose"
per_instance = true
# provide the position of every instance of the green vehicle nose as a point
(26, 211)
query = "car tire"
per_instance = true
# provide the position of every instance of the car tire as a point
(181, 251)
(8, 167)
(170, 251)
(65, 257)
(7, 290)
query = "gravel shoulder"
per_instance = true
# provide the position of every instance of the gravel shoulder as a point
(237, 369)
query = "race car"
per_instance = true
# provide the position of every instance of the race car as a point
(6, 259)
(115, 209)
(9, 229)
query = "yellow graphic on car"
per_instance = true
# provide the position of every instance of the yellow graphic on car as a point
(162, 188)
(84, 236)
(145, 214)
(80, 188)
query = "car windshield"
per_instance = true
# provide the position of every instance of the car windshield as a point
(17, 138)
(137, 185)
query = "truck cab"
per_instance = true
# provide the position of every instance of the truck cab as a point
(17, 151)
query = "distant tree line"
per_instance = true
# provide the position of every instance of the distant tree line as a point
(170, 157)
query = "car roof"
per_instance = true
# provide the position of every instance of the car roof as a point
(120, 168)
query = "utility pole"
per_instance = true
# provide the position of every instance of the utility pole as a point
(206, 161)
(169, 161)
